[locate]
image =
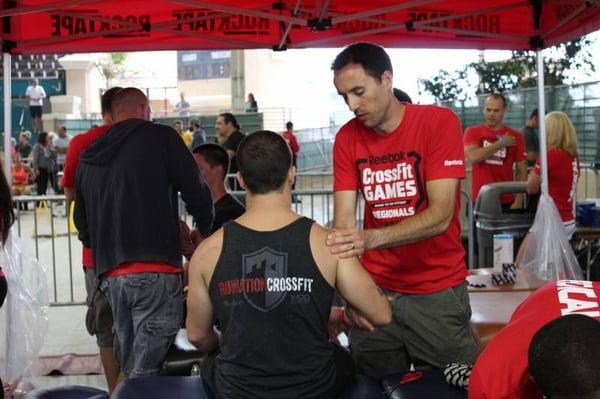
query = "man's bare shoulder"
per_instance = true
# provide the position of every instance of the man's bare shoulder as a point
(207, 254)
(318, 244)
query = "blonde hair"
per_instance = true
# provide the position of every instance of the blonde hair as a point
(560, 132)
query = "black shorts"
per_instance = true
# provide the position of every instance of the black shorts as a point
(35, 111)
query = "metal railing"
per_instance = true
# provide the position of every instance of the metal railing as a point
(54, 242)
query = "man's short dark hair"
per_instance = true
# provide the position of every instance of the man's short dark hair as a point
(499, 96)
(264, 159)
(230, 118)
(178, 121)
(106, 99)
(373, 58)
(534, 113)
(564, 357)
(289, 126)
(215, 155)
(195, 123)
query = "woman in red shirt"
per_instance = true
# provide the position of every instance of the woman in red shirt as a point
(563, 167)
(21, 174)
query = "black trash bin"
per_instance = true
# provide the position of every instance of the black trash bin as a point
(491, 219)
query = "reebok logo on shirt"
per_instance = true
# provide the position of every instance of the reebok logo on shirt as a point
(454, 162)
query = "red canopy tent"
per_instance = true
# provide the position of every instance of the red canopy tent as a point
(70, 26)
(42, 26)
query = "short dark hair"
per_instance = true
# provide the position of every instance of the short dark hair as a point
(42, 138)
(373, 58)
(195, 122)
(264, 159)
(230, 118)
(564, 356)
(289, 125)
(178, 121)
(499, 96)
(215, 155)
(106, 100)
(402, 96)
(534, 113)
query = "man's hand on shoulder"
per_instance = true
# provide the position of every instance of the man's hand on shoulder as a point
(347, 243)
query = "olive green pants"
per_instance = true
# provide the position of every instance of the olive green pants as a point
(429, 330)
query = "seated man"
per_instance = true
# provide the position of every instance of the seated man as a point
(564, 352)
(269, 279)
(213, 162)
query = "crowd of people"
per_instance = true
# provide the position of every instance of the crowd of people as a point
(260, 280)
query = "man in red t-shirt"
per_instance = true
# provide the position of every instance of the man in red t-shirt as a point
(493, 148)
(98, 320)
(563, 357)
(290, 138)
(407, 160)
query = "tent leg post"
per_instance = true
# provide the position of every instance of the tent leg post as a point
(7, 60)
(542, 122)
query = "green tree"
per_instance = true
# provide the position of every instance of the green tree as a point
(112, 66)
(520, 70)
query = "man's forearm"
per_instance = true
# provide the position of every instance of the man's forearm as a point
(476, 155)
(208, 342)
(426, 224)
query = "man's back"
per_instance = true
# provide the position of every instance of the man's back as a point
(132, 174)
(277, 296)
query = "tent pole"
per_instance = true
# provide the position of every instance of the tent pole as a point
(7, 117)
(541, 121)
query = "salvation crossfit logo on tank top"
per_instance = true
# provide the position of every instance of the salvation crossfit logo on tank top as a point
(265, 281)
(391, 184)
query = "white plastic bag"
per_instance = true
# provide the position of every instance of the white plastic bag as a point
(24, 316)
(547, 252)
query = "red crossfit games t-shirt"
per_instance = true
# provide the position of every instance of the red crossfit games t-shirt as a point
(501, 371)
(498, 167)
(391, 171)
(563, 172)
(77, 146)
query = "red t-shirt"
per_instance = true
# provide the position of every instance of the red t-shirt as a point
(498, 167)
(290, 138)
(143, 267)
(502, 371)
(392, 171)
(563, 171)
(77, 145)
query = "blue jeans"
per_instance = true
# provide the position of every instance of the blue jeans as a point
(147, 311)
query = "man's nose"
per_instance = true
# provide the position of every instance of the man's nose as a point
(352, 103)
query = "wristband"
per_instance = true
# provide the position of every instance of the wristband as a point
(341, 318)
(503, 142)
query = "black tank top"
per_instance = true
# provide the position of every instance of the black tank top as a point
(273, 306)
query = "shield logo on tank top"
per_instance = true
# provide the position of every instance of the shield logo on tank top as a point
(266, 270)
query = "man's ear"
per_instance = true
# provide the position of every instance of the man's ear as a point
(387, 79)
(240, 180)
(291, 175)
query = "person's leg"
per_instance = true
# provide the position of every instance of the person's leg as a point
(157, 304)
(436, 328)
(42, 182)
(381, 352)
(121, 304)
(99, 322)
